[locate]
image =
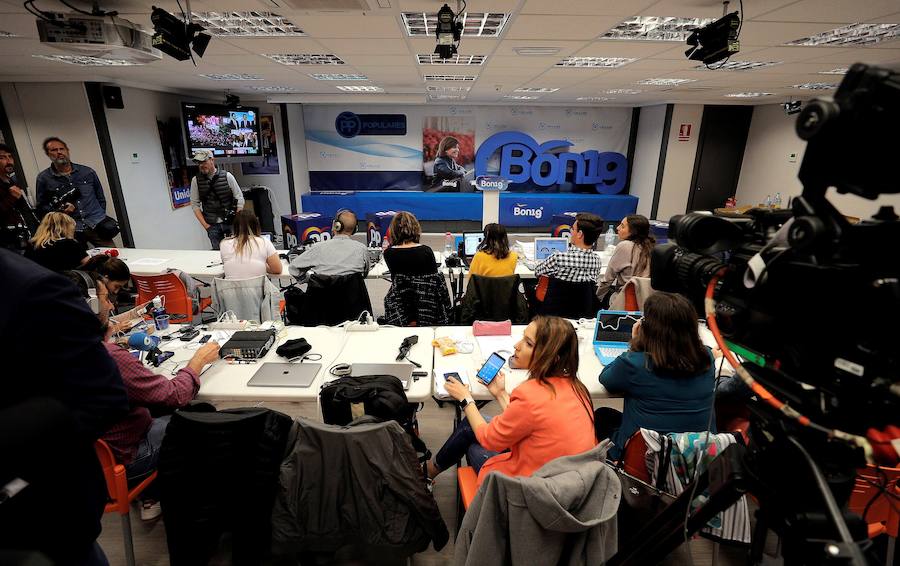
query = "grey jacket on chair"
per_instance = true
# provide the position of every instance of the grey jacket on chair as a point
(565, 513)
(256, 298)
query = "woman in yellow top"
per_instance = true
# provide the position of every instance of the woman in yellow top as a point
(493, 258)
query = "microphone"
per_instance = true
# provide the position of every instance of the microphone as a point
(143, 341)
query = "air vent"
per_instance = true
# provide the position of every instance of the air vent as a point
(327, 5)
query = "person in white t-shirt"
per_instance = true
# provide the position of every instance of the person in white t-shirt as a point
(247, 254)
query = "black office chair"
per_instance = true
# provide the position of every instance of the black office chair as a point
(329, 300)
(494, 298)
(569, 300)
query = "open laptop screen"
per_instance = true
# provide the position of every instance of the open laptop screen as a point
(471, 241)
(615, 327)
(545, 247)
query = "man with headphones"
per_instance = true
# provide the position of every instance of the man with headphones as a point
(339, 255)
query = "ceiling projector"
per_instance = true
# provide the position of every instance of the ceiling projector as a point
(97, 36)
(716, 41)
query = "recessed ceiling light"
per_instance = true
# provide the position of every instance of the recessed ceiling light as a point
(740, 65)
(438, 88)
(265, 88)
(520, 97)
(749, 94)
(247, 24)
(450, 77)
(665, 82)
(4, 34)
(656, 28)
(853, 34)
(536, 89)
(585, 62)
(434, 59)
(419, 24)
(360, 88)
(233, 77)
(305, 58)
(439, 96)
(593, 98)
(534, 51)
(622, 91)
(338, 77)
(87, 61)
(816, 86)
(838, 71)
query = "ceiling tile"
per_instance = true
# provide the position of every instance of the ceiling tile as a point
(555, 27)
(350, 25)
(507, 47)
(834, 11)
(363, 46)
(375, 60)
(776, 33)
(635, 49)
(586, 7)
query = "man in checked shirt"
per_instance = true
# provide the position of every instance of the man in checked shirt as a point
(579, 263)
(136, 439)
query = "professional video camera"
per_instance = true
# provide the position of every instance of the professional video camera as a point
(812, 303)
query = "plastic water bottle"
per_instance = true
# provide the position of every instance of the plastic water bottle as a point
(777, 201)
(768, 201)
(448, 244)
(610, 238)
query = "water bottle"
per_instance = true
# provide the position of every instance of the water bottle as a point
(777, 201)
(448, 244)
(610, 238)
(768, 202)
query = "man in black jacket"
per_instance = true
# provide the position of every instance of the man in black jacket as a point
(52, 491)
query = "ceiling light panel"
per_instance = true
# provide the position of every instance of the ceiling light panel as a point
(338, 77)
(433, 59)
(816, 86)
(838, 71)
(440, 96)
(536, 89)
(749, 94)
(853, 34)
(536, 51)
(622, 91)
(87, 61)
(740, 65)
(656, 28)
(266, 88)
(4, 34)
(450, 77)
(360, 88)
(521, 97)
(475, 24)
(436, 88)
(664, 82)
(233, 77)
(305, 58)
(593, 98)
(247, 24)
(593, 62)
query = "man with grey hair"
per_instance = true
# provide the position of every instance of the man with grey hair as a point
(215, 197)
(339, 255)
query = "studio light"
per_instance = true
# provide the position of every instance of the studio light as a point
(448, 32)
(793, 107)
(716, 41)
(175, 38)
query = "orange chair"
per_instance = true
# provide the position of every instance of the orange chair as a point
(872, 488)
(631, 302)
(467, 480)
(120, 497)
(177, 301)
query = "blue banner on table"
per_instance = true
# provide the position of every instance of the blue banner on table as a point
(518, 209)
(377, 227)
(305, 227)
(181, 196)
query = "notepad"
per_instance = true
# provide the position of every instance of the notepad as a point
(439, 390)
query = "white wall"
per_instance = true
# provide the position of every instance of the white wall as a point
(680, 155)
(646, 156)
(298, 151)
(145, 185)
(37, 111)
(768, 169)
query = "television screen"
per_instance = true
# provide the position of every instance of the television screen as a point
(227, 132)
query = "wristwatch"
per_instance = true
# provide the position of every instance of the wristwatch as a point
(465, 403)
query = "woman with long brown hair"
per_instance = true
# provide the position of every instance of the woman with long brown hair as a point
(547, 416)
(667, 376)
(630, 259)
(493, 258)
(406, 255)
(247, 254)
(54, 245)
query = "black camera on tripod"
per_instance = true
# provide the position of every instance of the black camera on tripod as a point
(812, 303)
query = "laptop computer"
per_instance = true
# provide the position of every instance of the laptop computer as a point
(545, 247)
(282, 374)
(403, 372)
(471, 241)
(613, 333)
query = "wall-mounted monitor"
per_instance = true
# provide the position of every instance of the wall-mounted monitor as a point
(230, 133)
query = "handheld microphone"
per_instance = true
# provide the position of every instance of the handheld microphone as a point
(143, 341)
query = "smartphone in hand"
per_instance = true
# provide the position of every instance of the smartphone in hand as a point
(491, 368)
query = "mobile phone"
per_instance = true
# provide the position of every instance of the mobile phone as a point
(491, 368)
(454, 375)
(190, 335)
(205, 338)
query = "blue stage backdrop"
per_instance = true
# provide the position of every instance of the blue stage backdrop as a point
(556, 159)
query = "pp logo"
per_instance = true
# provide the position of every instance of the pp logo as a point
(315, 235)
(348, 125)
(562, 231)
(290, 237)
(374, 236)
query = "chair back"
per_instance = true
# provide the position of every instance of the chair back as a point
(255, 298)
(871, 493)
(568, 299)
(114, 475)
(494, 298)
(331, 300)
(178, 303)
(421, 300)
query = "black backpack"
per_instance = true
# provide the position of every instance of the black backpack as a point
(382, 396)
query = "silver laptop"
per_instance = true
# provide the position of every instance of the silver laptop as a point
(403, 372)
(281, 374)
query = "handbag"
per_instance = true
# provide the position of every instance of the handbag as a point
(107, 229)
(640, 501)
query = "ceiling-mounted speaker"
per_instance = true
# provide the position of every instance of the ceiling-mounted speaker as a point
(112, 97)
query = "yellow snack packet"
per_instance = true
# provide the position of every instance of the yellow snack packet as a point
(445, 344)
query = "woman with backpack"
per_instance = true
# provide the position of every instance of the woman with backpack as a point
(547, 416)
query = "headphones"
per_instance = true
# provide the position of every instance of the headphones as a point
(337, 225)
(93, 301)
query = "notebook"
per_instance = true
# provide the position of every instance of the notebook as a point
(471, 241)
(613, 333)
(545, 247)
(282, 374)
